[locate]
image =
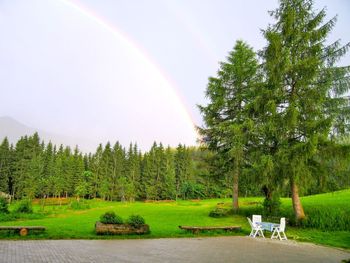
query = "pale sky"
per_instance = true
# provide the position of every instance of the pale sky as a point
(124, 70)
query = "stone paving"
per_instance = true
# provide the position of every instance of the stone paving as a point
(216, 250)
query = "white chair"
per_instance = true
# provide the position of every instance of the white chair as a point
(256, 229)
(277, 230)
(256, 219)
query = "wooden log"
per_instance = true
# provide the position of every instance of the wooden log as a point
(23, 232)
(197, 229)
(120, 229)
(20, 227)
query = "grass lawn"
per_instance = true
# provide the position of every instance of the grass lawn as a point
(165, 217)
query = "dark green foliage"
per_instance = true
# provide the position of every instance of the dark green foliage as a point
(6, 165)
(8, 217)
(35, 170)
(303, 103)
(111, 218)
(230, 114)
(191, 190)
(24, 206)
(136, 221)
(3, 205)
(272, 205)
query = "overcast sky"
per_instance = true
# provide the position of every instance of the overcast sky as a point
(124, 70)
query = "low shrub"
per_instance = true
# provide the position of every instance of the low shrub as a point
(21, 216)
(4, 206)
(78, 205)
(219, 212)
(136, 221)
(8, 217)
(111, 218)
(272, 205)
(24, 206)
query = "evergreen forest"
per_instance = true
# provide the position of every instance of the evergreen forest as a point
(34, 169)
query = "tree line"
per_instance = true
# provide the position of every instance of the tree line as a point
(33, 169)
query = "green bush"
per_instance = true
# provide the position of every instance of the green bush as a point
(78, 205)
(24, 206)
(8, 217)
(4, 206)
(136, 220)
(219, 212)
(272, 206)
(111, 218)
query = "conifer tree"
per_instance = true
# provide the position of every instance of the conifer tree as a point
(106, 172)
(77, 170)
(118, 185)
(151, 172)
(96, 169)
(169, 183)
(5, 165)
(183, 168)
(228, 115)
(133, 171)
(304, 88)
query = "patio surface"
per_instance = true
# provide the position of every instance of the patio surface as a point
(212, 249)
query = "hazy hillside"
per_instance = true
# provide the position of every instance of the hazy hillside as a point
(13, 129)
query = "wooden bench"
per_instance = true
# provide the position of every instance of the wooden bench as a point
(197, 229)
(23, 230)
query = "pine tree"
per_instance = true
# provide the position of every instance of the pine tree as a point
(48, 174)
(169, 182)
(77, 171)
(133, 172)
(27, 166)
(183, 169)
(118, 178)
(228, 115)
(96, 169)
(5, 165)
(303, 101)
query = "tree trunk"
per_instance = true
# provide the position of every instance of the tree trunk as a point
(297, 206)
(235, 189)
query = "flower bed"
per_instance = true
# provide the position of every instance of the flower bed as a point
(120, 229)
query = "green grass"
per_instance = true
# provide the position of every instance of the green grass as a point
(164, 219)
(329, 211)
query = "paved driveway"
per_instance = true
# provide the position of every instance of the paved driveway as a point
(216, 249)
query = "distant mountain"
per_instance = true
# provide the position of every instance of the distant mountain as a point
(13, 130)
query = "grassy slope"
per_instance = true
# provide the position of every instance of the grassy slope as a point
(164, 219)
(339, 199)
(329, 202)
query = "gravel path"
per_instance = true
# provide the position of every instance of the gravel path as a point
(215, 249)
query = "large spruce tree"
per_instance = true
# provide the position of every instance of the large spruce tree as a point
(228, 115)
(303, 104)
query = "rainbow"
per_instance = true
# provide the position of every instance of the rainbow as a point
(142, 55)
